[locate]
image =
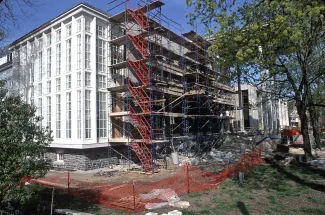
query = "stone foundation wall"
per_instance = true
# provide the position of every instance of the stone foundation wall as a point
(84, 159)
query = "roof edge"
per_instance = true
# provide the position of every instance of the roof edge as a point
(79, 5)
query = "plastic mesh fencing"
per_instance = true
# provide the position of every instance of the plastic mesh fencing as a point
(134, 196)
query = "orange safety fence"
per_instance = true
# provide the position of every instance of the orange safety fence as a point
(130, 196)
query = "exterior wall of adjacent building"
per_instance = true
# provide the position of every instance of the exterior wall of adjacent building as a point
(249, 110)
(294, 119)
(265, 114)
(6, 69)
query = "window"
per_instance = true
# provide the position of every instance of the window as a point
(87, 52)
(39, 89)
(58, 59)
(100, 31)
(87, 25)
(58, 35)
(40, 66)
(78, 25)
(58, 116)
(32, 69)
(68, 109)
(24, 55)
(87, 79)
(40, 44)
(48, 112)
(58, 84)
(79, 114)
(68, 55)
(48, 68)
(102, 118)
(78, 79)
(68, 30)
(101, 81)
(101, 56)
(39, 108)
(68, 82)
(24, 51)
(88, 114)
(48, 86)
(32, 48)
(117, 54)
(78, 51)
(48, 39)
(32, 95)
(60, 156)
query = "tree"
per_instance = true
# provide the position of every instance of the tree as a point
(10, 12)
(23, 142)
(283, 37)
(316, 109)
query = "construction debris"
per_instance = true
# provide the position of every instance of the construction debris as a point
(151, 213)
(163, 194)
(182, 204)
(168, 195)
(151, 206)
(318, 163)
(175, 212)
(70, 212)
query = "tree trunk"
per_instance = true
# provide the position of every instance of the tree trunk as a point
(301, 109)
(314, 116)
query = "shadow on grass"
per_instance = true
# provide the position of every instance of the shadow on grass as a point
(242, 207)
(41, 202)
(299, 180)
(311, 170)
(275, 177)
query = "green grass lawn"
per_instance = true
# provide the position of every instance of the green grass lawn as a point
(267, 189)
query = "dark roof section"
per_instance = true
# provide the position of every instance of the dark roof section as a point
(50, 22)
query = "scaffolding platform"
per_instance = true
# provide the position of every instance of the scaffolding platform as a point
(172, 88)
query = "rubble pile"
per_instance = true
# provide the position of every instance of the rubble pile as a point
(169, 197)
(221, 154)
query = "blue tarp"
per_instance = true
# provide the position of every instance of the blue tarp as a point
(268, 137)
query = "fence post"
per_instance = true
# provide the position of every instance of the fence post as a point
(68, 182)
(133, 196)
(188, 179)
(52, 201)
(260, 155)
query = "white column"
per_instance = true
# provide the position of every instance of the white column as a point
(63, 82)
(73, 73)
(93, 80)
(82, 86)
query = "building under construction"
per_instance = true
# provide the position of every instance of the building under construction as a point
(166, 93)
(118, 88)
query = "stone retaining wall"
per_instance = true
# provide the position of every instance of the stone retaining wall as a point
(83, 159)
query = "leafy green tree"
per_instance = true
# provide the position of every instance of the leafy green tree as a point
(23, 142)
(283, 37)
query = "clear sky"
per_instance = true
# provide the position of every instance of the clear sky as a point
(49, 9)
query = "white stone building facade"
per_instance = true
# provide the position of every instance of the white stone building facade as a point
(61, 68)
(268, 115)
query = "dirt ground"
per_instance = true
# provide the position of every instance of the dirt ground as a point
(117, 177)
